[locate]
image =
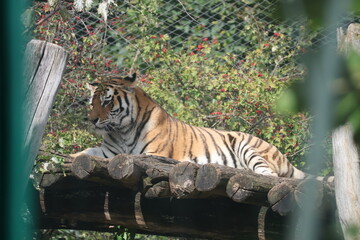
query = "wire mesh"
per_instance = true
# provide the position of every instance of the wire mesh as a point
(187, 23)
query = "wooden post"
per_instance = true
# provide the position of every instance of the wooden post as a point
(347, 181)
(346, 156)
(45, 64)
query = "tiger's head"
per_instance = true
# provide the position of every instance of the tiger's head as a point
(112, 103)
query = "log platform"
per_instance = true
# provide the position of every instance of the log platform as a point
(162, 196)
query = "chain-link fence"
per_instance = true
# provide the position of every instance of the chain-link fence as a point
(239, 26)
(246, 45)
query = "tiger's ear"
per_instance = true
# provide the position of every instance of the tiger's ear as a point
(92, 86)
(131, 79)
(127, 82)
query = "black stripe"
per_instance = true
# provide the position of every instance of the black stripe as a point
(141, 126)
(245, 145)
(120, 103)
(292, 172)
(251, 158)
(176, 131)
(231, 140)
(126, 99)
(173, 137)
(111, 151)
(184, 135)
(114, 140)
(207, 153)
(191, 144)
(230, 149)
(258, 141)
(192, 129)
(166, 143)
(110, 145)
(213, 140)
(218, 149)
(147, 144)
(171, 152)
(104, 153)
(257, 164)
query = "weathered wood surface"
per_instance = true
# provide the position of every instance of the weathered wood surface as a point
(190, 180)
(178, 198)
(347, 185)
(44, 66)
(350, 40)
(346, 157)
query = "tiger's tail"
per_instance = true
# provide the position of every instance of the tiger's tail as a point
(301, 175)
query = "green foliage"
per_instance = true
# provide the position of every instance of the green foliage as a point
(348, 94)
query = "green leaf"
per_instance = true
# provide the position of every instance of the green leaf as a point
(287, 103)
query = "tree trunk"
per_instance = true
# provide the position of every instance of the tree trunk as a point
(347, 181)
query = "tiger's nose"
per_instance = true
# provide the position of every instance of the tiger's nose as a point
(94, 121)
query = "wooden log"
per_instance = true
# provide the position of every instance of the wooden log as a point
(85, 166)
(123, 168)
(77, 204)
(157, 168)
(281, 198)
(45, 67)
(347, 181)
(214, 178)
(301, 196)
(158, 190)
(189, 180)
(91, 168)
(182, 180)
(250, 188)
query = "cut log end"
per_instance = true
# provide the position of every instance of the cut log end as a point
(208, 178)
(82, 166)
(182, 179)
(123, 168)
(281, 198)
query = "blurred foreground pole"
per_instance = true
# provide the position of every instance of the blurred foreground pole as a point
(323, 68)
(346, 156)
(26, 103)
(12, 175)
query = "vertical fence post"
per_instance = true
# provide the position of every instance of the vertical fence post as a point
(45, 64)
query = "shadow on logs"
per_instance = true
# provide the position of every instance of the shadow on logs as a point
(165, 197)
(77, 204)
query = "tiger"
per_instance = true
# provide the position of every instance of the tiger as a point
(131, 122)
